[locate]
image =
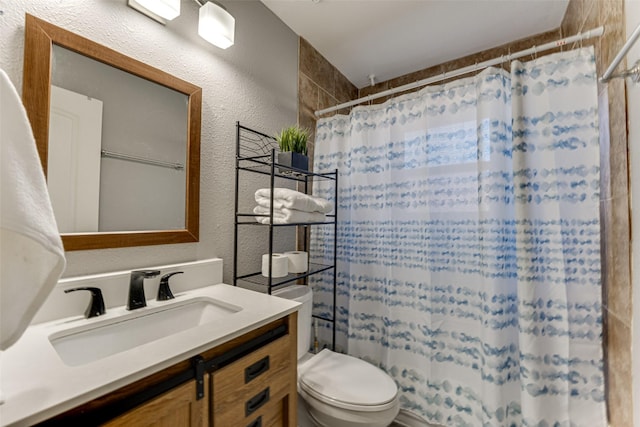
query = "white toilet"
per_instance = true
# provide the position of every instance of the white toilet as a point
(338, 390)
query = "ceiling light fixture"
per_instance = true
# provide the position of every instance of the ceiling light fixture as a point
(216, 25)
(159, 10)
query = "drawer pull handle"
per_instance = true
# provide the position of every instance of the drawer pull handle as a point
(256, 423)
(256, 369)
(256, 402)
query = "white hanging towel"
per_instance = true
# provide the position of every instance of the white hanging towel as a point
(291, 199)
(31, 253)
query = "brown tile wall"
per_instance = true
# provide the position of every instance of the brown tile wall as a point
(322, 86)
(583, 15)
(460, 63)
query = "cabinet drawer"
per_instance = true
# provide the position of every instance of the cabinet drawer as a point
(252, 386)
(270, 415)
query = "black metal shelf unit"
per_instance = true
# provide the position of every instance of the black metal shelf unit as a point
(256, 153)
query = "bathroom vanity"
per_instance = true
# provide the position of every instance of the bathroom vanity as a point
(248, 381)
(230, 360)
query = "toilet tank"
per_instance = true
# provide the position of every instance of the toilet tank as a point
(304, 295)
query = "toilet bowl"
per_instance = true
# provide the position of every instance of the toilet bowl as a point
(337, 390)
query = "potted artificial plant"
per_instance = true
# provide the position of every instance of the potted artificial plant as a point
(293, 147)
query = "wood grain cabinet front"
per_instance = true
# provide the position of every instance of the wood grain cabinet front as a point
(175, 408)
(254, 391)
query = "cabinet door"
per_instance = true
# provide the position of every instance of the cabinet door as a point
(255, 391)
(175, 408)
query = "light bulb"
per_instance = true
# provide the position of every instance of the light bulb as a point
(216, 25)
(166, 9)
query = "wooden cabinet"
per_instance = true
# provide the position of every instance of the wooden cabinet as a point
(249, 381)
(254, 390)
(175, 408)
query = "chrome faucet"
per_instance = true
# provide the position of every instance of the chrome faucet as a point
(136, 288)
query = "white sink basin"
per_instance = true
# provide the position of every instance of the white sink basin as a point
(101, 338)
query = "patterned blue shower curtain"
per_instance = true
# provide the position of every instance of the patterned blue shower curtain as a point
(469, 244)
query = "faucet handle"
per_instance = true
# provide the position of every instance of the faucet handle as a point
(96, 306)
(164, 291)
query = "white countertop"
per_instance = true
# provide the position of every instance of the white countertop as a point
(36, 384)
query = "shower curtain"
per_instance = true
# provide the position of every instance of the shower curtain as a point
(469, 244)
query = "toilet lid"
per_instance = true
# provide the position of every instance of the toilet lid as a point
(346, 381)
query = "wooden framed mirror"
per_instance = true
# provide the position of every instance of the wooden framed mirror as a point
(110, 228)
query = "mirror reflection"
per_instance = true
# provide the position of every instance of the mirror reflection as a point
(117, 148)
(119, 141)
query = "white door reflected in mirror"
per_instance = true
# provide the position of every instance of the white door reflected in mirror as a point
(74, 160)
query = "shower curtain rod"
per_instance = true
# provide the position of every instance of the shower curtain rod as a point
(596, 32)
(608, 75)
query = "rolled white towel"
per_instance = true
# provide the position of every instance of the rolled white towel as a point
(291, 199)
(287, 216)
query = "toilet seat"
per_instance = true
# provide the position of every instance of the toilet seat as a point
(347, 382)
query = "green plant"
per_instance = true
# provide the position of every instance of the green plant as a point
(293, 138)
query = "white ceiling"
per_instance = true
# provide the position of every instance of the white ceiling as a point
(389, 38)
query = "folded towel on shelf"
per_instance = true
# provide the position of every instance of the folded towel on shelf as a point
(31, 254)
(291, 199)
(287, 216)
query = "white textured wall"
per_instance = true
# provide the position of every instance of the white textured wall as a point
(254, 81)
(632, 12)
